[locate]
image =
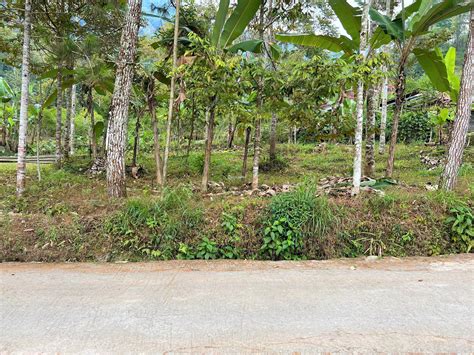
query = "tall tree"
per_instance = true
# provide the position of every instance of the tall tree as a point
(357, 166)
(172, 87)
(72, 123)
(118, 117)
(258, 120)
(384, 97)
(25, 80)
(463, 115)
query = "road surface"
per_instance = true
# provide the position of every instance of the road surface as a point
(388, 305)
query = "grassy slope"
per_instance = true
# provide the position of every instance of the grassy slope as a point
(65, 216)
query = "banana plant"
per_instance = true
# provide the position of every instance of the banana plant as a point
(350, 18)
(404, 30)
(440, 70)
(229, 28)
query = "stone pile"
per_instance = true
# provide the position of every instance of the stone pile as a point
(219, 188)
(98, 167)
(431, 162)
(342, 186)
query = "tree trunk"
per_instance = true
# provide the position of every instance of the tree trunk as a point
(399, 92)
(92, 137)
(25, 80)
(118, 117)
(383, 114)
(357, 170)
(156, 134)
(38, 142)
(172, 87)
(258, 121)
(208, 146)
(273, 137)
(59, 118)
(191, 132)
(135, 139)
(463, 115)
(248, 130)
(73, 117)
(370, 137)
(67, 134)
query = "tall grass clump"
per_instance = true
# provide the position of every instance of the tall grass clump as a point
(299, 222)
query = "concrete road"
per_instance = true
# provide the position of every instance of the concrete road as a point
(389, 305)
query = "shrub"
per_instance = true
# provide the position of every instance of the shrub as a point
(413, 127)
(461, 223)
(308, 213)
(282, 240)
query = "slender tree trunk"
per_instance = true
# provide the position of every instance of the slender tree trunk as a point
(258, 121)
(135, 139)
(463, 115)
(370, 137)
(67, 134)
(400, 91)
(25, 80)
(229, 134)
(360, 105)
(92, 137)
(191, 132)
(156, 134)
(59, 118)
(273, 136)
(208, 147)
(38, 143)
(248, 130)
(383, 114)
(118, 117)
(172, 89)
(73, 117)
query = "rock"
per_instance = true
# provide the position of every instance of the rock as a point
(430, 187)
(28, 230)
(270, 192)
(372, 258)
(264, 187)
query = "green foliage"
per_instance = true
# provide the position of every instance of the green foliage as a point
(309, 214)
(414, 127)
(461, 223)
(156, 228)
(282, 240)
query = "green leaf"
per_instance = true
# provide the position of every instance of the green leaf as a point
(433, 64)
(51, 98)
(6, 92)
(379, 38)
(333, 44)
(393, 28)
(238, 21)
(253, 45)
(454, 82)
(220, 20)
(350, 18)
(436, 13)
(275, 51)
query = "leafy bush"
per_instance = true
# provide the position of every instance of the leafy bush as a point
(282, 240)
(414, 127)
(155, 228)
(461, 223)
(309, 214)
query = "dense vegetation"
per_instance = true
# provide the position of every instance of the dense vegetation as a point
(215, 130)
